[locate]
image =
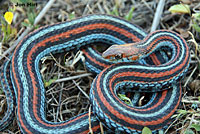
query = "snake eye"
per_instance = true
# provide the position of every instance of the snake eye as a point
(118, 56)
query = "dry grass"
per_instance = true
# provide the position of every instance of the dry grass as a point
(68, 98)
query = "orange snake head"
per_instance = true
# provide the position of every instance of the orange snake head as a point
(122, 52)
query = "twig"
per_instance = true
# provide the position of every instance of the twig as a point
(90, 125)
(43, 12)
(147, 5)
(101, 127)
(194, 41)
(57, 63)
(184, 100)
(195, 9)
(171, 125)
(60, 99)
(177, 23)
(87, 7)
(100, 7)
(190, 76)
(0, 48)
(72, 77)
(81, 90)
(157, 15)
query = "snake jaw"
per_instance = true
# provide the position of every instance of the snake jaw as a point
(111, 52)
(135, 57)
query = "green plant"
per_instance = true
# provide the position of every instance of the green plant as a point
(129, 16)
(8, 31)
(31, 13)
(125, 99)
(185, 9)
(146, 130)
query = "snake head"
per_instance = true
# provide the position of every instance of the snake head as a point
(122, 52)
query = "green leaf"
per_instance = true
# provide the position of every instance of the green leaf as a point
(161, 131)
(189, 131)
(31, 17)
(25, 24)
(15, 1)
(115, 11)
(13, 31)
(125, 99)
(36, 26)
(23, 1)
(129, 16)
(71, 15)
(8, 29)
(180, 8)
(196, 16)
(26, 1)
(196, 27)
(1, 91)
(196, 127)
(175, 115)
(48, 83)
(146, 130)
(183, 112)
(3, 28)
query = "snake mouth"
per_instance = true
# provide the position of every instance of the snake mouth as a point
(122, 52)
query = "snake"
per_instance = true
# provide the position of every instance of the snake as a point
(152, 70)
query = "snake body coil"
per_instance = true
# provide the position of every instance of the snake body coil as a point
(151, 74)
